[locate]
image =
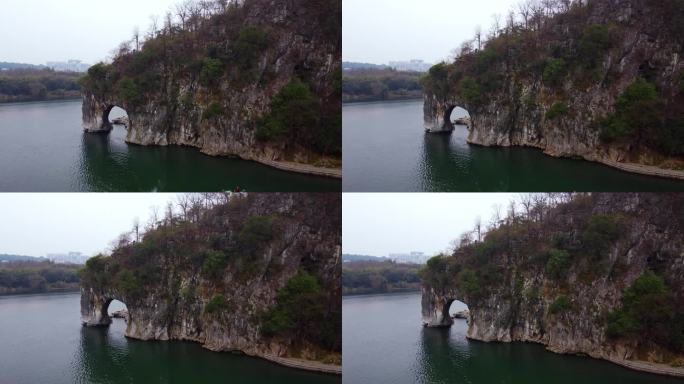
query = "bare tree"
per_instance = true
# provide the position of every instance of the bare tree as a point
(136, 37)
(510, 21)
(183, 12)
(154, 27)
(511, 211)
(136, 229)
(496, 25)
(525, 10)
(478, 37)
(496, 216)
(478, 228)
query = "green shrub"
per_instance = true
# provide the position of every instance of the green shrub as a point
(293, 113)
(485, 250)
(556, 110)
(554, 71)
(212, 70)
(595, 42)
(213, 109)
(601, 231)
(638, 108)
(647, 311)
(127, 283)
(129, 92)
(470, 90)
(558, 264)
(95, 272)
(561, 304)
(469, 282)
(217, 303)
(249, 46)
(214, 264)
(255, 235)
(301, 303)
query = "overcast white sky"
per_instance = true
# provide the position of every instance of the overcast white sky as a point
(35, 224)
(378, 31)
(37, 31)
(381, 223)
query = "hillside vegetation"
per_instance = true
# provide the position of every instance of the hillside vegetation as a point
(211, 52)
(583, 69)
(603, 266)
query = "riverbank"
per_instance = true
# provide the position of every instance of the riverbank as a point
(635, 365)
(307, 365)
(304, 168)
(640, 169)
(643, 366)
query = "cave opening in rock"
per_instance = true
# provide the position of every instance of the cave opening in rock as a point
(116, 309)
(458, 310)
(116, 116)
(457, 116)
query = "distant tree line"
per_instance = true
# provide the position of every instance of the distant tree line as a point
(36, 277)
(38, 84)
(380, 84)
(362, 277)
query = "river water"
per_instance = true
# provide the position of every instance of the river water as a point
(384, 342)
(386, 150)
(42, 341)
(43, 148)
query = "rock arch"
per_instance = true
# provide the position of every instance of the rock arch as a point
(437, 113)
(435, 307)
(96, 113)
(94, 307)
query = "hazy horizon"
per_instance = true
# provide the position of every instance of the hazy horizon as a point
(38, 31)
(378, 224)
(399, 30)
(35, 224)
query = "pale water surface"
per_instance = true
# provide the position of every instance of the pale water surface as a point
(385, 343)
(42, 341)
(386, 149)
(43, 149)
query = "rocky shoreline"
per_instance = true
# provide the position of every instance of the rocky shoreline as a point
(641, 169)
(636, 365)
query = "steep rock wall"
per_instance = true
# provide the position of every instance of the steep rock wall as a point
(172, 298)
(517, 292)
(516, 111)
(180, 108)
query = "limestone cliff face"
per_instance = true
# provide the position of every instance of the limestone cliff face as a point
(513, 296)
(176, 97)
(517, 93)
(168, 288)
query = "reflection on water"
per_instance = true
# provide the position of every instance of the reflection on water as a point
(42, 341)
(384, 342)
(43, 148)
(386, 149)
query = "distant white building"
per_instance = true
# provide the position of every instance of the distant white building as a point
(67, 258)
(68, 66)
(413, 65)
(409, 258)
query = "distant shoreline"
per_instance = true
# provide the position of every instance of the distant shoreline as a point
(373, 100)
(48, 292)
(368, 293)
(72, 98)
